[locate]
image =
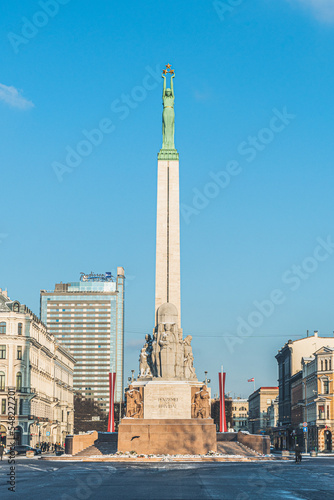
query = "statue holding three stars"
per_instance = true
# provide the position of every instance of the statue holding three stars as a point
(168, 115)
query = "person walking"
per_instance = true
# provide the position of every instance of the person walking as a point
(298, 454)
(2, 448)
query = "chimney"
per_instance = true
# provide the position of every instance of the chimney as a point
(315, 333)
(307, 332)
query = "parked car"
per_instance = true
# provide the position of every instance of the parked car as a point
(21, 449)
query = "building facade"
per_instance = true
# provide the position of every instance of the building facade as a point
(318, 392)
(291, 387)
(87, 317)
(289, 360)
(239, 414)
(259, 403)
(36, 378)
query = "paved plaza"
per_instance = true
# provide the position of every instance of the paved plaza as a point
(313, 479)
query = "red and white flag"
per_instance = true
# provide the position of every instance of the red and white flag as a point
(251, 380)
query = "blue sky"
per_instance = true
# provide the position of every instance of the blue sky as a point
(254, 106)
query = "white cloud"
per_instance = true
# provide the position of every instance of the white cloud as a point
(12, 97)
(322, 9)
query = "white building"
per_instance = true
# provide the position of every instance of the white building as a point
(240, 414)
(318, 398)
(39, 372)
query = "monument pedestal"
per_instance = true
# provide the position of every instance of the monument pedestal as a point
(173, 419)
(167, 436)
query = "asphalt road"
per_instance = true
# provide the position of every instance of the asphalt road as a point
(36, 479)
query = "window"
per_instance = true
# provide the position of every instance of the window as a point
(330, 364)
(19, 329)
(3, 407)
(2, 352)
(18, 381)
(326, 386)
(322, 365)
(21, 407)
(321, 412)
(2, 381)
(3, 327)
(19, 352)
(327, 412)
(16, 307)
(326, 365)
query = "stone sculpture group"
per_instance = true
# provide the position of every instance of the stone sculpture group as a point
(167, 354)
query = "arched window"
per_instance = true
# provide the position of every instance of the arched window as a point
(19, 329)
(16, 307)
(2, 381)
(326, 365)
(18, 381)
(2, 327)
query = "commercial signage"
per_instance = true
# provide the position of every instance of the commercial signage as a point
(95, 418)
(97, 277)
(304, 429)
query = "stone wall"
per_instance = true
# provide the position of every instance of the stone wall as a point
(261, 444)
(255, 442)
(78, 442)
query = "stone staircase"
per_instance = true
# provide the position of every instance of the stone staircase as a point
(106, 444)
(235, 448)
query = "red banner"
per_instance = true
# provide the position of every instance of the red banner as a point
(222, 421)
(111, 420)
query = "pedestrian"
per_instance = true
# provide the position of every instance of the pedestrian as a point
(298, 454)
(1, 450)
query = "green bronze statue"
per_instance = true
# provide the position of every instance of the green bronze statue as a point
(168, 115)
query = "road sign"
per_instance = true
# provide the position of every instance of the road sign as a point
(305, 424)
(47, 433)
(304, 429)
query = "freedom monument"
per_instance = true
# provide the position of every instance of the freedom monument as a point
(167, 408)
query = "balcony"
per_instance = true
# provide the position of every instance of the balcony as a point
(14, 390)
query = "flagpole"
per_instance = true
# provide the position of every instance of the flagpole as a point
(254, 383)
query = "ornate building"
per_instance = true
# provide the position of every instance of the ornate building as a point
(239, 414)
(36, 378)
(318, 398)
(292, 388)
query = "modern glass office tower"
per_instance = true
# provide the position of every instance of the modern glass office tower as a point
(87, 317)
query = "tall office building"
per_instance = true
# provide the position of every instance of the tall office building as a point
(87, 317)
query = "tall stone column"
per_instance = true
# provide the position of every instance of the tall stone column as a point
(167, 275)
(167, 279)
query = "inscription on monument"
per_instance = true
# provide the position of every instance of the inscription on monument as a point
(172, 400)
(167, 402)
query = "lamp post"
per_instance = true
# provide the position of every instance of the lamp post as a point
(305, 433)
